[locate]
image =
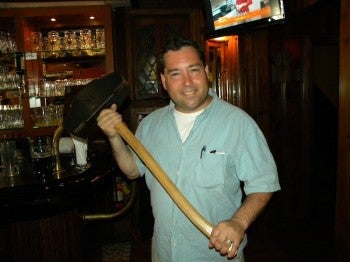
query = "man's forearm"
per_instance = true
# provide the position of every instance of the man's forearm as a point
(124, 158)
(251, 208)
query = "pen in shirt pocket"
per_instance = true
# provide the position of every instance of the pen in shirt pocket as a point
(217, 152)
(204, 148)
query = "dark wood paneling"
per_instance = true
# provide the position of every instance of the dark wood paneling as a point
(274, 92)
(278, 91)
(53, 238)
(343, 184)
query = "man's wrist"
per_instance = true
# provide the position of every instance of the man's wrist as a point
(241, 222)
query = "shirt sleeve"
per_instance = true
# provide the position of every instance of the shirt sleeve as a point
(255, 164)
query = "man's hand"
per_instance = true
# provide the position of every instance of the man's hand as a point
(227, 236)
(108, 119)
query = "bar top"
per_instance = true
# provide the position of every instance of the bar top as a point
(30, 192)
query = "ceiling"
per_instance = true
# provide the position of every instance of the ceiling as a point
(51, 3)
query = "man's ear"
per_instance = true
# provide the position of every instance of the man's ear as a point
(162, 78)
(206, 68)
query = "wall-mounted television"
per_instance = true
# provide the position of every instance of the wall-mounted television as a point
(225, 17)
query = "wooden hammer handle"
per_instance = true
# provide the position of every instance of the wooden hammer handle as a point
(185, 206)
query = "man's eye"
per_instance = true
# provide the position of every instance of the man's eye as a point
(195, 69)
(174, 74)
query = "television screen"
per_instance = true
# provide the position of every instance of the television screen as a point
(233, 16)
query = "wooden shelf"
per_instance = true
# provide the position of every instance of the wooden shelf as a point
(89, 64)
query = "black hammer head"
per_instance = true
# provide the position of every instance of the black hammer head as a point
(100, 93)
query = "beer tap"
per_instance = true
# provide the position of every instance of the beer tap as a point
(56, 150)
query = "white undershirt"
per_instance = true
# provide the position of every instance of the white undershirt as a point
(185, 121)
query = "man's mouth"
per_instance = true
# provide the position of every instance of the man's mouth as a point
(189, 92)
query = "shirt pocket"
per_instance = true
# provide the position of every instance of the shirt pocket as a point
(210, 170)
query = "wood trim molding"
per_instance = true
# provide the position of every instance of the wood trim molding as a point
(342, 220)
(48, 3)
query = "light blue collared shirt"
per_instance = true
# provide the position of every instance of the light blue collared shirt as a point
(224, 147)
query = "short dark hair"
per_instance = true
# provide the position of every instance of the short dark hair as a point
(176, 43)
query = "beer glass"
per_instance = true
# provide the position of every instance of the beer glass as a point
(53, 41)
(100, 38)
(41, 153)
(8, 157)
(85, 39)
(70, 40)
(36, 41)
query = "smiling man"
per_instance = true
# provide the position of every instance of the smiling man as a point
(208, 148)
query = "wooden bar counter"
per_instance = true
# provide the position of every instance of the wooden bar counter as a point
(40, 217)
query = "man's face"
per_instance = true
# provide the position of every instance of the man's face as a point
(185, 78)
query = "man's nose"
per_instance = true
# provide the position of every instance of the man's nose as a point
(187, 79)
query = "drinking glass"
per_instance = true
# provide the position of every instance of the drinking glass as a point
(100, 38)
(33, 89)
(36, 41)
(85, 39)
(8, 157)
(53, 40)
(70, 40)
(41, 153)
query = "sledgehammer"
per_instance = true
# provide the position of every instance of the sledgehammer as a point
(81, 118)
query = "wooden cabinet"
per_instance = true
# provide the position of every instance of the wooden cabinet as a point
(54, 68)
(223, 62)
(147, 30)
(11, 77)
(11, 91)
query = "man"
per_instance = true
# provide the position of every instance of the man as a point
(207, 147)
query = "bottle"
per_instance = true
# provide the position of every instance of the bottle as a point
(118, 193)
